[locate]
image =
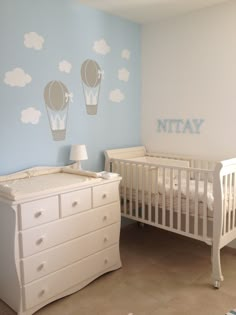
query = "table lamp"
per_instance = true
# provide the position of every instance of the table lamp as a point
(78, 153)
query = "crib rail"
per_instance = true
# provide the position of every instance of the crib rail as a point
(225, 201)
(194, 162)
(201, 164)
(178, 199)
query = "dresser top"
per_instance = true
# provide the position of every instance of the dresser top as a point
(21, 187)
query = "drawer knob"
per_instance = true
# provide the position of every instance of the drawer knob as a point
(105, 218)
(104, 196)
(39, 213)
(105, 239)
(42, 292)
(105, 261)
(75, 203)
(41, 266)
(40, 240)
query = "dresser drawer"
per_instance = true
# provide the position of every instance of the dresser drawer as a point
(104, 194)
(39, 265)
(47, 287)
(37, 212)
(75, 202)
(54, 233)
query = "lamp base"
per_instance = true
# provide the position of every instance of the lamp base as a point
(77, 165)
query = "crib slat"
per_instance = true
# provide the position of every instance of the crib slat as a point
(164, 196)
(119, 170)
(196, 203)
(179, 201)
(229, 202)
(171, 198)
(125, 187)
(143, 189)
(149, 175)
(234, 195)
(205, 205)
(130, 189)
(225, 183)
(136, 190)
(156, 196)
(187, 200)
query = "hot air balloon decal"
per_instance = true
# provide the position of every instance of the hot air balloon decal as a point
(91, 76)
(57, 98)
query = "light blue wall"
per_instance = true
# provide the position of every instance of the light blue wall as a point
(69, 31)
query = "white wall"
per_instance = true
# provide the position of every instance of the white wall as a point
(189, 71)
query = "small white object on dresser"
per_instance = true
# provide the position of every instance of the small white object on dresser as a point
(58, 232)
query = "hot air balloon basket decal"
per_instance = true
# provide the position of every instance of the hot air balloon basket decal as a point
(57, 98)
(91, 76)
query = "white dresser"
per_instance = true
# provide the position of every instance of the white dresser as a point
(55, 243)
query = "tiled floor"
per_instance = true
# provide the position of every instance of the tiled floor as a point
(162, 274)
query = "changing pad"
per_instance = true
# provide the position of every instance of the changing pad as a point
(35, 181)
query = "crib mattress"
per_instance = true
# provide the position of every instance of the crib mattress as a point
(158, 201)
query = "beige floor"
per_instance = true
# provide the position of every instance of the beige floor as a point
(162, 274)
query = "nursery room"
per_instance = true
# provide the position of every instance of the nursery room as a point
(118, 168)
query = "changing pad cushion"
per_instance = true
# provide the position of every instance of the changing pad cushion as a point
(32, 186)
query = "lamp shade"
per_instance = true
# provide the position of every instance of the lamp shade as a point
(78, 152)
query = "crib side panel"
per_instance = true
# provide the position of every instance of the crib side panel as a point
(178, 199)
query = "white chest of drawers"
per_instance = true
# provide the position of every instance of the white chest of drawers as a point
(56, 243)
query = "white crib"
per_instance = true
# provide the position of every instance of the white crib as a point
(188, 196)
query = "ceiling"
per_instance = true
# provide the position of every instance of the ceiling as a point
(145, 11)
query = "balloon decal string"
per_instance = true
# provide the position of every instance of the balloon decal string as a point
(69, 97)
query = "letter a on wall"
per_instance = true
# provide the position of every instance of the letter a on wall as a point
(91, 76)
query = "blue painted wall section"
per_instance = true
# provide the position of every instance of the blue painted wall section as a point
(45, 41)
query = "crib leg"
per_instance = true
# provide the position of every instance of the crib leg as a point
(140, 225)
(217, 276)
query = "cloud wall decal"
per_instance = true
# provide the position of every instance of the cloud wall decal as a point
(101, 47)
(65, 66)
(123, 75)
(125, 54)
(116, 96)
(17, 77)
(33, 40)
(30, 115)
